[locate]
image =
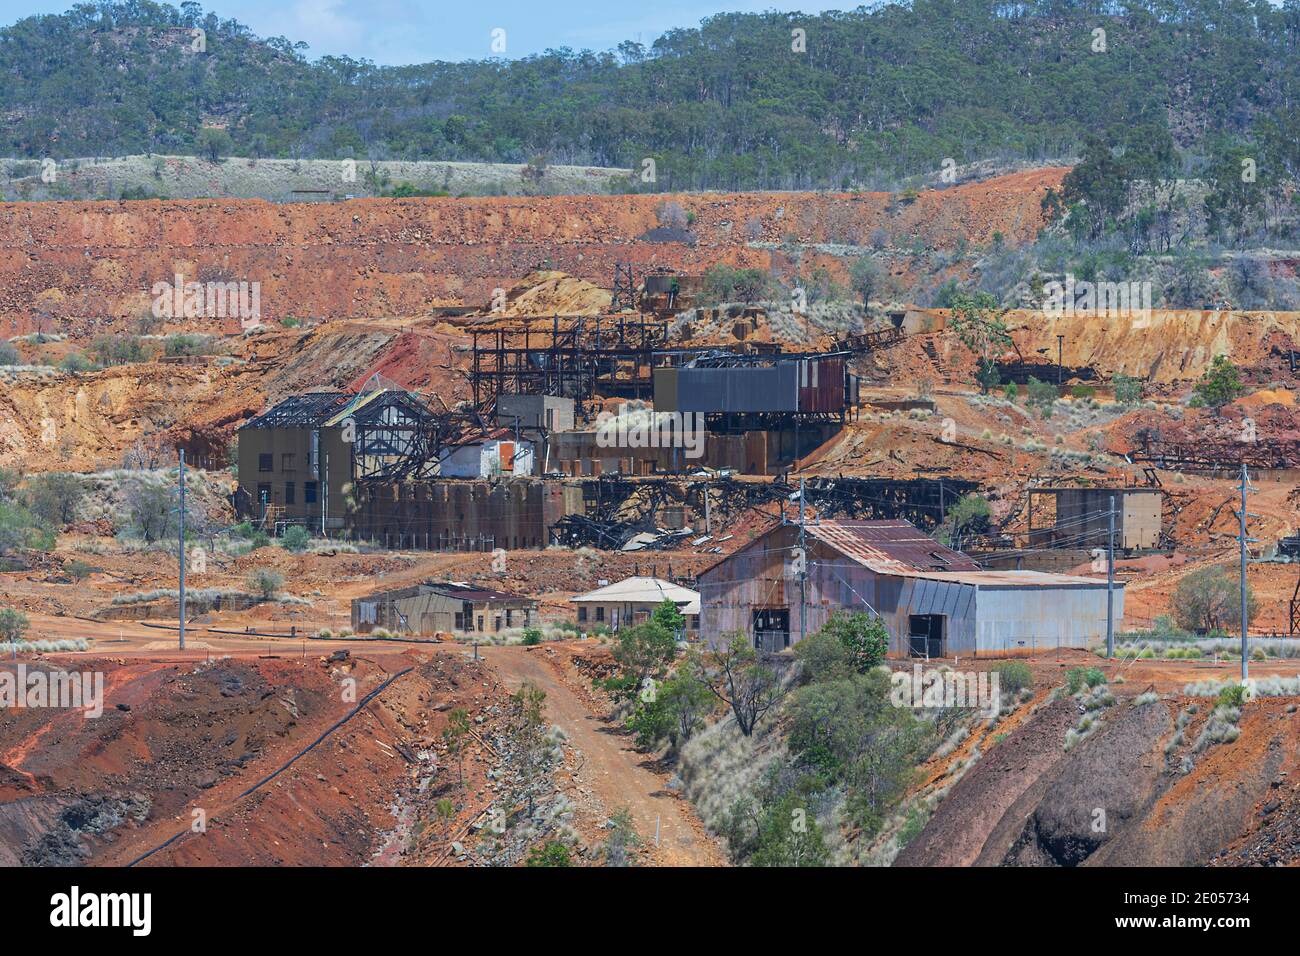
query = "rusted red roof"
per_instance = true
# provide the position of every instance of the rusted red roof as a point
(889, 547)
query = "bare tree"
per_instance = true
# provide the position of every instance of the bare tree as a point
(149, 506)
(735, 675)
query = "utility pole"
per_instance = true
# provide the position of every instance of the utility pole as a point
(181, 549)
(325, 491)
(1245, 656)
(803, 571)
(1110, 583)
(1060, 355)
(708, 523)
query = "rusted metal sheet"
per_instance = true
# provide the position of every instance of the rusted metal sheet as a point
(821, 385)
(890, 546)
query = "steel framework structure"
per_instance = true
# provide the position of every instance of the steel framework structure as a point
(571, 358)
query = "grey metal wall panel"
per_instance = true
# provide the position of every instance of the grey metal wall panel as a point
(665, 389)
(771, 389)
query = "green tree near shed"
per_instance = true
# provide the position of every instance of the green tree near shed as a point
(977, 319)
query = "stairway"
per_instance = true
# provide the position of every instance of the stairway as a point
(933, 354)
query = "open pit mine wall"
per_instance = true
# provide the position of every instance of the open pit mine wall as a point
(82, 266)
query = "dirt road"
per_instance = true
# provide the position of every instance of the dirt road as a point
(612, 770)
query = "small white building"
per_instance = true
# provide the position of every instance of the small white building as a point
(633, 600)
(494, 455)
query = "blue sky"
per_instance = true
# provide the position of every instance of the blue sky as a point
(417, 31)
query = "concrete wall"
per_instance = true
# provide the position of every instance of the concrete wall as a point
(1082, 515)
(535, 411)
(1141, 519)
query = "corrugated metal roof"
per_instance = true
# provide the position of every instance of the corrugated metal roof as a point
(1006, 579)
(643, 590)
(468, 592)
(890, 547)
(453, 589)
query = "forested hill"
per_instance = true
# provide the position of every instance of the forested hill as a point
(892, 90)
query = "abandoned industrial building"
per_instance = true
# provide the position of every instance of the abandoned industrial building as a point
(1081, 517)
(497, 453)
(633, 600)
(431, 608)
(935, 602)
(298, 459)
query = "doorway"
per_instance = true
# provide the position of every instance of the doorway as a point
(772, 629)
(925, 635)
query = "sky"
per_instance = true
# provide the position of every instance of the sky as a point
(395, 32)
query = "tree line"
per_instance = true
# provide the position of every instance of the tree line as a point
(742, 101)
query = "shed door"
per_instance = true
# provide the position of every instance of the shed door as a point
(772, 629)
(507, 453)
(925, 635)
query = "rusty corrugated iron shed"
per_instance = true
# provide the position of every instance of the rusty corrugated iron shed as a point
(890, 547)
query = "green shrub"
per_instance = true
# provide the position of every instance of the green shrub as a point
(13, 625)
(1209, 599)
(295, 538)
(1234, 695)
(863, 635)
(1220, 384)
(1077, 678)
(56, 498)
(1013, 676)
(19, 528)
(532, 636)
(1041, 395)
(550, 853)
(120, 349)
(780, 844)
(265, 582)
(917, 817)
(75, 362)
(78, 570)
(181, 345)
(651, 721)
(1128, 390)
